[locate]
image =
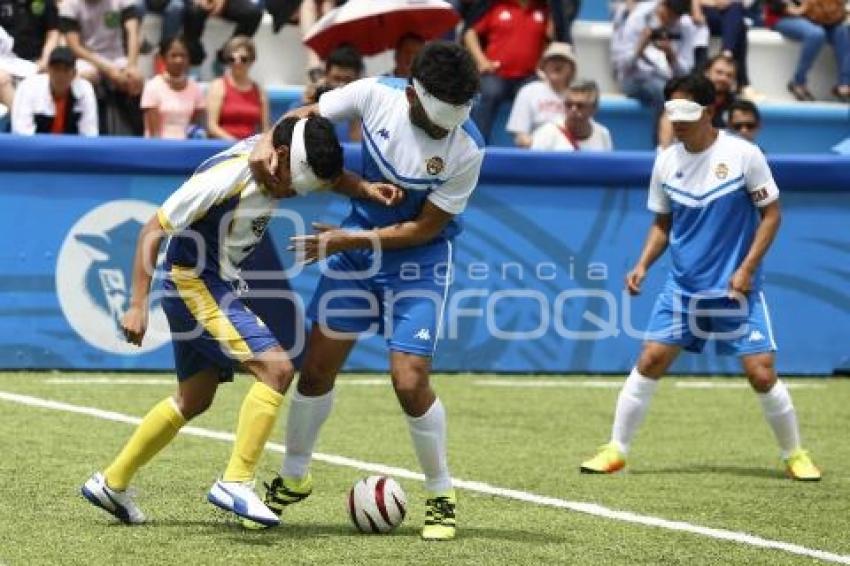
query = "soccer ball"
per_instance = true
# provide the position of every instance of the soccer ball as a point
(376, 504)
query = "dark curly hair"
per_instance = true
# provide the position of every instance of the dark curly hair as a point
(447, 71)
(700, 88)
(324, 154)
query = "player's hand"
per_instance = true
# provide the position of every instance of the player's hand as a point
(487, 66)
(134, 324)
(634, 279)
(326, 241)
(741, 283)
(383, 193)
(263, 164)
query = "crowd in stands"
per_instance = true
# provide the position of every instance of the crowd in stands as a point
(72, 66)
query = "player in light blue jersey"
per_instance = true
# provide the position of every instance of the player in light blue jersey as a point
(214, 221)
(417, 135)
(716, 207)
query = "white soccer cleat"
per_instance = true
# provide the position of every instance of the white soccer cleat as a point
(240, 498)
(120, 504)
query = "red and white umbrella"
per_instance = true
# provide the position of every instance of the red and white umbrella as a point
(373, 26)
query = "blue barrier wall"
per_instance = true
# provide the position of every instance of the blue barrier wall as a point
(787, 128)
(547, 238)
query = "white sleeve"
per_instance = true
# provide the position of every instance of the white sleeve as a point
(23, 122)
(202, 191)
(348, 102)
(658, 200)
(520, 120)
(453, 195)
(88, 125)
(760, 183)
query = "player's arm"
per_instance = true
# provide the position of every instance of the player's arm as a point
(328, 240)
(765, 196)
(656, 243)
(135, 320)
(353, 186)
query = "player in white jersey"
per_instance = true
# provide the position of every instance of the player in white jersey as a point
(417, 135)
(214, 221)
(717, 208)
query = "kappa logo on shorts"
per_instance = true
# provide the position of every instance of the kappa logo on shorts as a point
(755, 336)
(423, 334)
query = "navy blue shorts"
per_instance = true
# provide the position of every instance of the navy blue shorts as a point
(210, 325)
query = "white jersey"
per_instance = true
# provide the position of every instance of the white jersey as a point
(535, 104)
(224, 208)
(553, 137)
(443, 171)
(712, 197)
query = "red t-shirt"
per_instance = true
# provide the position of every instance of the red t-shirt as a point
(241, 111)
(515, 36)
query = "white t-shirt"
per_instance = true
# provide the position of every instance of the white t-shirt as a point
(101, 29)
(535, 104)
(551, 137)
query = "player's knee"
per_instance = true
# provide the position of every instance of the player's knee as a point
(410, 376)
(317, 377)
(652, 363)
(762, 376)
(190, 407)
(278, 375)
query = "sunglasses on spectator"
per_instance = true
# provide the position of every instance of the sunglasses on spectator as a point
(239, 59)
(738, 126)
(577, 105)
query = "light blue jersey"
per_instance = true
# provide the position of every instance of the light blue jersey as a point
(712, 197)
(443, 171)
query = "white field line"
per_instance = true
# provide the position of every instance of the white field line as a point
(479, 487)
(172, 381)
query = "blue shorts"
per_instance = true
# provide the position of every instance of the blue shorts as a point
(401, 297)
(737, 328)
(210, 326)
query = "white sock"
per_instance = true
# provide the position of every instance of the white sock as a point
(780, 414)
(632, 404)
(306, 416)
(428, 433)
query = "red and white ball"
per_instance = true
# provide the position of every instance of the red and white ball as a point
(376, 504)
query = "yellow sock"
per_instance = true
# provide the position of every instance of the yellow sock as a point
(153, 434)
(256, 421)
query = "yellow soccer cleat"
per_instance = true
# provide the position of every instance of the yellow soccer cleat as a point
(607, 461)
(801, 468)
(440, 517)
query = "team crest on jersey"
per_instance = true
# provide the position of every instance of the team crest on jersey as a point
(435, 165)
(721, 171)
(258, 225)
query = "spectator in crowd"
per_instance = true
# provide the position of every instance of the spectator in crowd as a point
(344, 65)
(172, 101)
(7, 92)
(236, 106)
(246, 14)
(97, 31)
(57, 102)
(579, 131)
(564, 13)
(542, 101)
(723, 74)
(406, 49)
(309, 13)
(725, 18)
(514, 32)
(172, 13)
(745, 119)
(651, 43)
(797, 22)
(35, 26)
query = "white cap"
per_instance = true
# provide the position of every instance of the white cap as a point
(682, 110)
(445, 115)
(304, 180)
